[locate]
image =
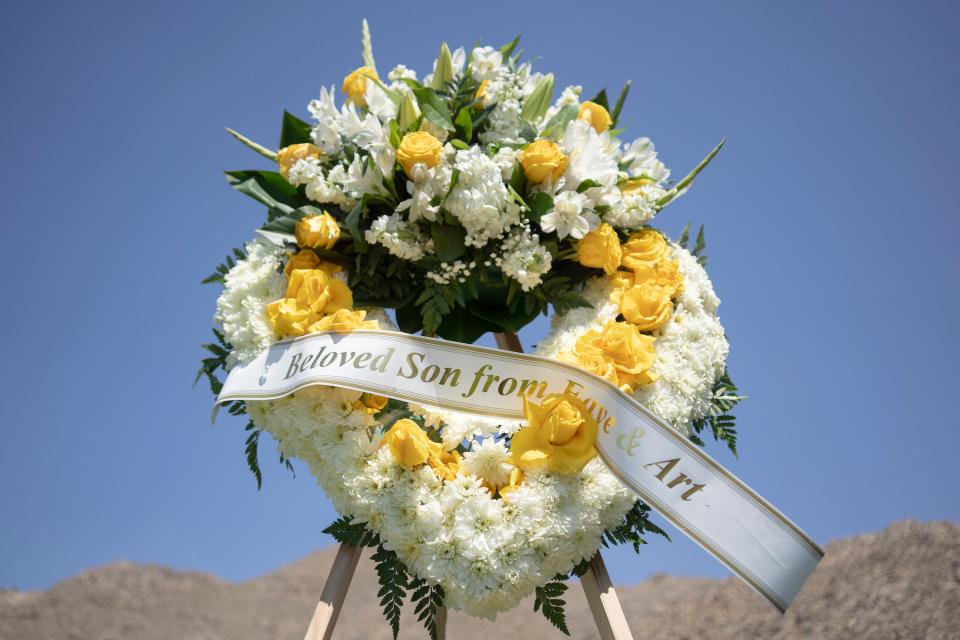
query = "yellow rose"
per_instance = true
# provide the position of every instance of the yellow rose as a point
(600, 249)
(645, 247)
(318, 291)
(343, 321)
(288, 317)
(355, 85)
(541, 160)
(634, 186)
(516, 479)
(591, 359)
(595, 115)
(317, 232)
(409, 443)
(445, 464)
(307, 259)
(287, 156)
(418, 147)
(482, 90)
(371, 403)
(647, 305)
(560, 435)
(629, 353)
(665, 273)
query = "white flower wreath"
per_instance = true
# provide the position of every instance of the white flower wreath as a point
(486, 552)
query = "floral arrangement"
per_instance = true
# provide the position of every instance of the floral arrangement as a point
(470, 201)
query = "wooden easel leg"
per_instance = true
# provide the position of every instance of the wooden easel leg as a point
(603, 600)
(334, 593)
(442, 623)
(604, 604)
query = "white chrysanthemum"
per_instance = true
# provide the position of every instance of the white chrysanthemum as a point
(568, 217)
(252, 284)
(480, 201)
(487, 459)
(401, 238)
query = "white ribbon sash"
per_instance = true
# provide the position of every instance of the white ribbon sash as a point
(667, 471)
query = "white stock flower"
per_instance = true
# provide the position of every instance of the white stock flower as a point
(480, 201)
(524, 259)
(401, 238)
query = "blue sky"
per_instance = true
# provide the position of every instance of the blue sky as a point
(831, 223)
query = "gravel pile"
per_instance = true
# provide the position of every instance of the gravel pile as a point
(901, 583)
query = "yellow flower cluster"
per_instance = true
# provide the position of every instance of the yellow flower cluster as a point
(560, 436)
(623, 352)
(315, 300)
(411, 447)
(645, 293)
(617, 352)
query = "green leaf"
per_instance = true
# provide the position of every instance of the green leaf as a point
(436, 117)
(539, 100)
(367, 46)
(259, 148)
(394, 134)
(518, 180)
(540, 203)
(251, 450)
(409, 319)
(459, 144)
(287, 224)
(355, 534)
(557, 124)
(587, 184)
(353, 225)
(503, 318)
(684, 236)
(428, 600)
(267, 187)
(461, 325)
(448, 239)
(464, 124)
(294, 131)
(549, 601)
(392, 576)
(677, 190)
(615, 114)
(601, 99)
(431, 102)
(507, 50)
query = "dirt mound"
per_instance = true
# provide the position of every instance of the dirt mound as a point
(901, 583)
